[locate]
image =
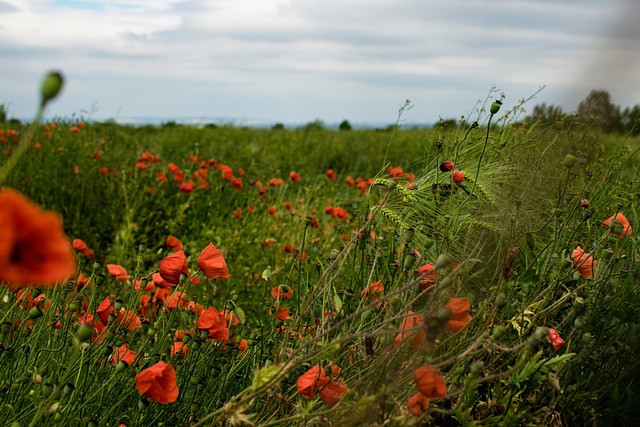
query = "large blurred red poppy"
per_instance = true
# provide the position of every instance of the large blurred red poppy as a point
(33, 247)
(212, 263)
(158, 383)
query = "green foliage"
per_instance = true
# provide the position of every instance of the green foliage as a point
(502, 239)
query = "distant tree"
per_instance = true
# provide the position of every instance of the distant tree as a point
(598, 109)
(278, 126)
(630, 120)
(3, 113)
(547, 113)
(315, 125)
(211, 126)
(345, 125)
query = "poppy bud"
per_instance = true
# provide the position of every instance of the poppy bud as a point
(142, 404)
(34, 313)
(586, 338)
(498, 332)
(569, 161)
(142, 247)
(501, 300)
(85, 332)
(443, 260)
(579, 322)
(495, 107)
(476, 367)
(51, 86)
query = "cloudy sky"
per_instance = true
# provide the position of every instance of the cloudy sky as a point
(293, 61)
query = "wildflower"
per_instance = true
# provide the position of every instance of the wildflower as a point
(459, 308)
(187, 187)
(584, 263)
(372, 289)
(272, 211)
(212, 263)
(33, 247)
(395, 171)
(410, 323)
(174, 266)
(428, 276)
(458, 176)
(237, 183)
(104, 171)
(333, 392)
(340, 213)
(178, 348)
(174, 243)
(331, 175)
(429, 381)
(215, 323)
(123, 354)
(227, 173)
(276, 182)
(446, 166)
(417, 404)
(282, 292)
(129, 320)
(584, 203)
(118, 272)
(82, 247)
(618, 225)
(349, 181)
(158, 383)
(311, 381)
(237, 213)
(555, 339)
(294, 176)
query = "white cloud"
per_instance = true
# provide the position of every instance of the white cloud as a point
(302, 59)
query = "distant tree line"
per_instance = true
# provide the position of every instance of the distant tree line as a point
(597, 110)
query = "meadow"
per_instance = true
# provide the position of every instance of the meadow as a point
(481, 274)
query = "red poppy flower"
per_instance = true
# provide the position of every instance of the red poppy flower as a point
(82, 247)
(118, 272)
(104, 171)
(294, 176)
(214, 322)
(458, 176)
(373, 288)
(430, 382)
(129, 319)
(186, 187)
(349, 181)
(459, 308)
(105, 309)
(331, 175)
(280, 292)
(446, 166)
(555, 339)
(123, 354)
(618, 225)
(584, 263)
(174, 243)
(158, 383)
(237, 183)
(33, 247)
(411, 324)
(311, 381)
(417, 404)
(333, 392)
(178, 348)
(173, 266)
(212, 263)
(272, 211)
(428, 276)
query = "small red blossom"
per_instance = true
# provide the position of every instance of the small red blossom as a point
(555, 339)
(584, 263)
(460, 317)
(212, 263)
(173, 266)
(618, 225)
(331, 175)
(294, 176)
(458, 176)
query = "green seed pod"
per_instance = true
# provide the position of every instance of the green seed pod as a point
(51, 87)
(586, 338)
(443, 260)
(501, 300)
(365, 316)
(498, 332)
(580, 322)
(34, 313)
(569, 161)
(476, 367)
(495, 107)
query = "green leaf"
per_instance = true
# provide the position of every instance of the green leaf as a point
(264, 375)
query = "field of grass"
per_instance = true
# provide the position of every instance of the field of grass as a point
(460, 276)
